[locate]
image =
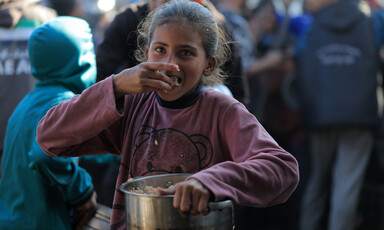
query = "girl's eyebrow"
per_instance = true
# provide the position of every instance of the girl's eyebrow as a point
(181, 46)
(160, 43)
(188, 47)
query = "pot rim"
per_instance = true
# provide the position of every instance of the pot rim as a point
(211, 205)
(138, 178)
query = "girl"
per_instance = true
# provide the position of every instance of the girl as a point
(159, 116)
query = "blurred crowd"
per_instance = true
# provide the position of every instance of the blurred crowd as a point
(289, 60)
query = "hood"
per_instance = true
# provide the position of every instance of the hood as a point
(339, 17)
(61, 52)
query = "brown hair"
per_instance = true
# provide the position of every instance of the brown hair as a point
(214, 39)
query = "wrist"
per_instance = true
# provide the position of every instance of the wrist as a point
(116, 90)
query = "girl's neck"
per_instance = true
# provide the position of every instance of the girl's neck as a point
(184, 101)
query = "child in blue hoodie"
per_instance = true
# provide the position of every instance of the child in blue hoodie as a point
(38, 191)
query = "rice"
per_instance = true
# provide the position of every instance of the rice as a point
(147, 190)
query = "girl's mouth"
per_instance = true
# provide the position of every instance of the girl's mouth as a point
(177, 80)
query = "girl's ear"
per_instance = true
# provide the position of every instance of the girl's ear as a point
(146, 53)
(211, 65)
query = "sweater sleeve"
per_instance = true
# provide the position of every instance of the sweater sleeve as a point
(88, 124)
(260, 172)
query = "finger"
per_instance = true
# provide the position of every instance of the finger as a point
(186, 199)
(165, 191)
(163, 77)
(183, 214)
(156, 81)
(177, 197)
(203, 208)
(155, 85)
(196, 196)
(182, 200)
(160, 69)
(161, 66)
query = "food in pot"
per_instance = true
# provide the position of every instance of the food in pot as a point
(147, 190)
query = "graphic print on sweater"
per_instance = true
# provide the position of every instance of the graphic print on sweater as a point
(169, 151)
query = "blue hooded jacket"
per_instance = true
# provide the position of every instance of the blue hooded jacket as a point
(338, 64)
(37, 190)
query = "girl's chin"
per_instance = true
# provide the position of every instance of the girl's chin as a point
(169, 96)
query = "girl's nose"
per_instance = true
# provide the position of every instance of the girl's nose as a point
(170, 59)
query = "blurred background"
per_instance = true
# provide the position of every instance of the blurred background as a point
(100, 13)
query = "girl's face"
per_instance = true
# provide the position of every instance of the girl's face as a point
(180, 44)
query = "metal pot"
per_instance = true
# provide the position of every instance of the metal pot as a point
(154, 212)
(101, 219)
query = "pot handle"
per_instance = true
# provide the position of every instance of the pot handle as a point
(220, 205)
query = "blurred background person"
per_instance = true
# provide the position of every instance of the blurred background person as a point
(273, 34)
(18, 18)
(232, 10)
(72, 8)
(337, 84)
(38, 191)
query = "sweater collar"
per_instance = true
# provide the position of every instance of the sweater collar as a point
(184, 101)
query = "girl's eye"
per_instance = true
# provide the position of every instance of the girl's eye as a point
(159, 49)
(186, 53)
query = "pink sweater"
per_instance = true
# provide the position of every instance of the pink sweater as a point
(216, 138)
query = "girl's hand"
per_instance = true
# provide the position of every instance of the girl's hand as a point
(190, 197)
(145, 77)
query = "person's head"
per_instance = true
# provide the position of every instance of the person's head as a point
(61, 52)
(312, 6)
(184, 33)
(263, 18)
(67, 8)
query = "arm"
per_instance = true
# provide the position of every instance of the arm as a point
(73, 182)
(90, 123)
(271, 60)
(260, 174)
(79, 126)
(63, 173)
